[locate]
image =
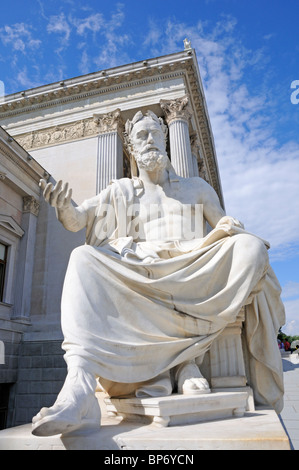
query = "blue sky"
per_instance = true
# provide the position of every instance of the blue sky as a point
(248, 54)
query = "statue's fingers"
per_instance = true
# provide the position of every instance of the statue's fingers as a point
(55, 193)
(61, 196)
(47, 192)
(68, 196)
(42, 184)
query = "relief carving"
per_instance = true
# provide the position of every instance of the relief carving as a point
(98, 124)
(30, 204)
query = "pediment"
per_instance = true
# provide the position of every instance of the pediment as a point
(11, 225)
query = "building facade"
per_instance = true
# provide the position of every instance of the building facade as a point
(73, 131)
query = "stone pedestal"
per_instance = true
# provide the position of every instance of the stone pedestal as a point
(260, 430)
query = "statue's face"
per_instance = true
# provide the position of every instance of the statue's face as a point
(147, 136)
(149, 144)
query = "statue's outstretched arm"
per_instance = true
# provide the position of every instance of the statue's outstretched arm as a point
(60, 197)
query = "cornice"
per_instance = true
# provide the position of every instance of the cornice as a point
(102, 82)
(203, 127)
(29, 166)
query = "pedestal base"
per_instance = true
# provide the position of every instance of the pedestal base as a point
(258, 430)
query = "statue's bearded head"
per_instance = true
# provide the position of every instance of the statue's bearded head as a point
(146, 138)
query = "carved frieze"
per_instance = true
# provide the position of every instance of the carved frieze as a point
(90, 127)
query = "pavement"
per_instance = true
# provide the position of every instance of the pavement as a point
(290, 413)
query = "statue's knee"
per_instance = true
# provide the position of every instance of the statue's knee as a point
(253, 249)
(81, 253)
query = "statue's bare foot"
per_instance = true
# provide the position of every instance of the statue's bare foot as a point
(76, 407)
(190, 380)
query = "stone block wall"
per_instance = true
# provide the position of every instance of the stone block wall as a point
(41, 374)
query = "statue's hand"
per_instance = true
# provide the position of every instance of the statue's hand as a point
(229, 221)
(59, 196)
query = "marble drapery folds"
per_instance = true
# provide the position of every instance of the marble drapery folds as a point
(131, 310)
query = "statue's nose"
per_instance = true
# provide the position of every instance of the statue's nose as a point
(150, 138)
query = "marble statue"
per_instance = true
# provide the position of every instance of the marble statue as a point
(149, 291)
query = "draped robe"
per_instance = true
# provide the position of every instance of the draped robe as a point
(132, 311)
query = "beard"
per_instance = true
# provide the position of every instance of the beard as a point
(152, 160)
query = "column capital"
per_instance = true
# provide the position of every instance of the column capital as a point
(30, 204)
(109, 122)
(178, 108)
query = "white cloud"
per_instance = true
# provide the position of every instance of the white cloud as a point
(292, 324)
(259, 175)
(96, 30)
(58, 24)
(19, 37)
(84, 63)
(93, 23)
(25, 80)
(290, 289)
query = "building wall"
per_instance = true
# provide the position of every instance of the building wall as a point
(19, 203)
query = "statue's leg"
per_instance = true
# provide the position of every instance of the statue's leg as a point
(76, 406)
(190, 380)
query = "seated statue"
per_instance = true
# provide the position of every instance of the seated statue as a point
(149, 292)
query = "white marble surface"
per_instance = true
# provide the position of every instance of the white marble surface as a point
(260, 430)
(181, 290)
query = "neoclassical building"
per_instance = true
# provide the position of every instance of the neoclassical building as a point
(73, 131)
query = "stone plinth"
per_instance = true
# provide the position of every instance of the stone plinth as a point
(260, 430)
(180, 409)
(257, 430)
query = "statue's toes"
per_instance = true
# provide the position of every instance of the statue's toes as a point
(196, 385)
(41, 414)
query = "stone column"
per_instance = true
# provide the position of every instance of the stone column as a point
(177, 115)
(25, 259)
(194, 152)
(198, 161)
(110, 148)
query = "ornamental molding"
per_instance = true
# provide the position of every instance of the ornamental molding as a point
(178, 108)
(89, 127)
(109, 122)
(58, 134)
(31, 205)
(110, 84)
(29, 166)
(8, 223)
